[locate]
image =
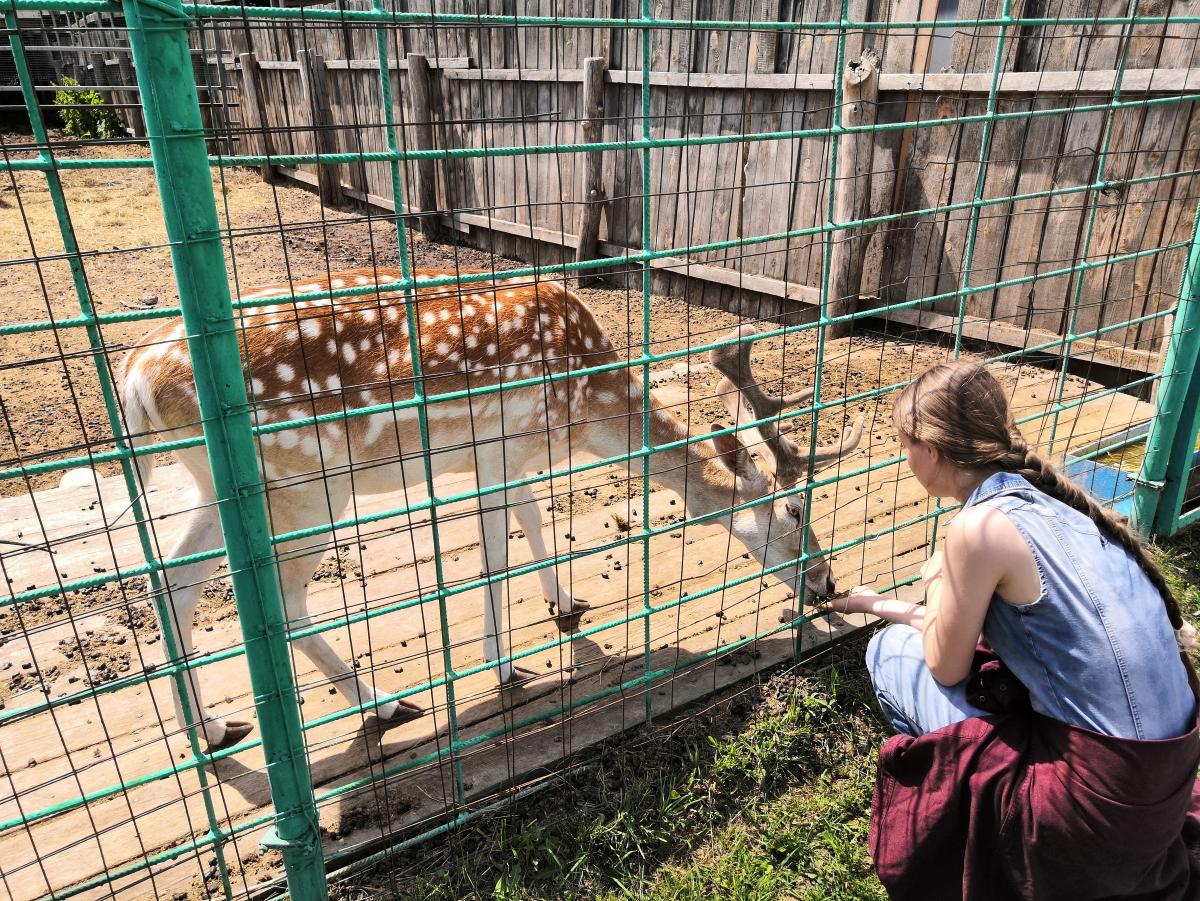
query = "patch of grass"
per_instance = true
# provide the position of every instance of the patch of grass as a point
(1179, 560)
(762, 794)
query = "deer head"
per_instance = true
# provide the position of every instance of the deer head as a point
(773, 532)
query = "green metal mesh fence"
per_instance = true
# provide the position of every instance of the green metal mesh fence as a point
(511, 272)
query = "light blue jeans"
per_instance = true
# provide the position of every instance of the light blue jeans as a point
(909, 695)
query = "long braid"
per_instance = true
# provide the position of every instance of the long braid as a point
(1023, 460)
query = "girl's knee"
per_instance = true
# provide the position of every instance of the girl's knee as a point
(893, 650)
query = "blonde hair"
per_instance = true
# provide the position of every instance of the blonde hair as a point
(961, 409)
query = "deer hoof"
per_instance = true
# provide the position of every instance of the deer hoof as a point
(235, 731)
(569, 622)
(406, 712)
(518, 678)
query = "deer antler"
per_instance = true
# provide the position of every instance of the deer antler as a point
(791, 463)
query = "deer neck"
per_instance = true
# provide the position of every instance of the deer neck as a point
(690, 470)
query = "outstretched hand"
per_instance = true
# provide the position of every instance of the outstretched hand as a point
(860, 600)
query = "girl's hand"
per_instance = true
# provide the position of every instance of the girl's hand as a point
(864, 600)
(860, 600)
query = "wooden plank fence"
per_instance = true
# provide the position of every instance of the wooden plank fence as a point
(474, 87)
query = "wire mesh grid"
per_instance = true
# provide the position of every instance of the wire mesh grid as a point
(511, 271)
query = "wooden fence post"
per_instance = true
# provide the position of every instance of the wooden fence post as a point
(420, 90)
(254, 122)
(860, 93)
(591, 186)
(314, 75)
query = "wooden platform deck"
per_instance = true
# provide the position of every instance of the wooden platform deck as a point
(52, 757)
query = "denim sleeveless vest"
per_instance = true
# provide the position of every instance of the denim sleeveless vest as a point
(1096, 649)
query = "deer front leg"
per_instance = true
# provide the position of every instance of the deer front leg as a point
(202, 533)
(570, 610)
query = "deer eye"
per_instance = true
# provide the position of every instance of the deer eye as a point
(793, 512)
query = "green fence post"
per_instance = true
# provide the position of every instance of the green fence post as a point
(1163, 477)
(162, 57)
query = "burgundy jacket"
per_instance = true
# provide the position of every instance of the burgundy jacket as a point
(1020, 806)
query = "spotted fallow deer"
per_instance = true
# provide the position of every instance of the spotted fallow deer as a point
(318, 357)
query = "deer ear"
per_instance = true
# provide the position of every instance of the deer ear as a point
(731, 453)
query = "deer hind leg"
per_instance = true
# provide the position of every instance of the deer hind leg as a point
(569, 609)
(297, 561)
(183, 583)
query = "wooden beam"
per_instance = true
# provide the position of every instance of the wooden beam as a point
(313, 76)
(860, 95)
(420, 92)
(371, 65)
(1101, 81)
(1001, 334)
(591, 181)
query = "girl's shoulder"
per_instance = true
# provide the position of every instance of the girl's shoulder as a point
(984, 532)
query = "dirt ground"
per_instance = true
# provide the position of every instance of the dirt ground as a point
(52, 405)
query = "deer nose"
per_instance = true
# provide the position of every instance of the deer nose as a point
(830, 585)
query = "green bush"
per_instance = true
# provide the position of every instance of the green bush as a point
(83, 112)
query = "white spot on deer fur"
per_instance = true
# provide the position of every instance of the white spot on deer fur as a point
(288, 439)
(337, 283)
(442, 349)
(309, 446)
(491, 320)
(392, 314)
(310, 328)
(365, 344)
(491, 350)
(285, 372)
(268, 439)
(310, 386)
(361, 280)
(334, 430)
(443, 314)
(376, 423)
(429, 318)
(468, 311)
(309, 288)
(588, 343)
(471, 341)
(349, 353)
(369, 315)
(453, 330)
(257, 387)
(333, 383)
(331, 347)
(520, 309)
(381, 370)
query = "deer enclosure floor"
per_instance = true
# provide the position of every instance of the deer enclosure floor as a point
(705, 592)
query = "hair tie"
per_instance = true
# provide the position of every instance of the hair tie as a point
(1185, 636)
